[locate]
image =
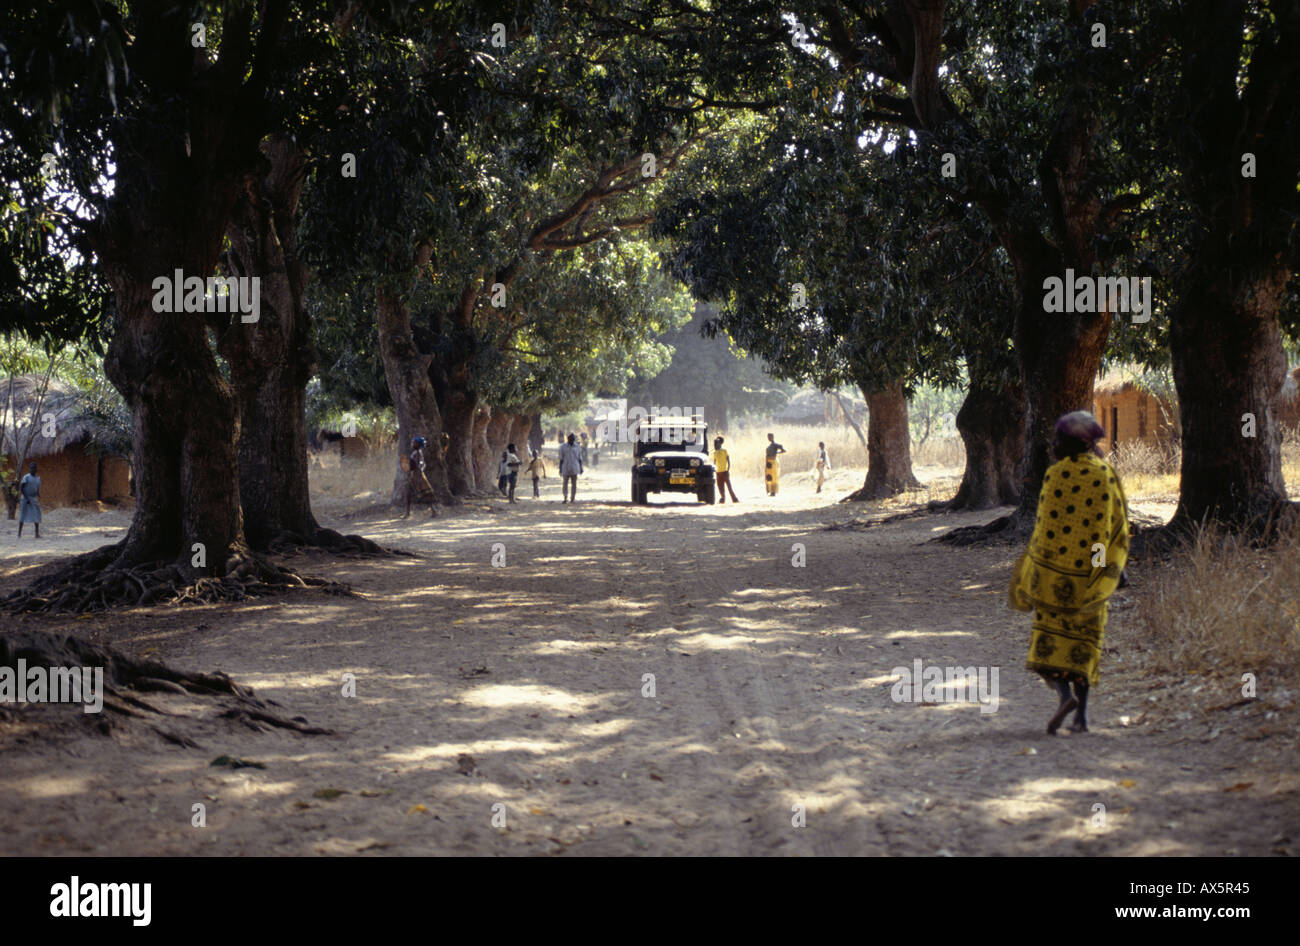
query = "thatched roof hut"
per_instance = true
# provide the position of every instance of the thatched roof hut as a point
(1130, 412)
(75, 455)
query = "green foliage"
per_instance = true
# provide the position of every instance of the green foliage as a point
(779, 211)
(471, 151)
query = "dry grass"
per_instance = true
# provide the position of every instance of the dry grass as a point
(346, 483)
(1148, 472)
(1219, 605)
(1151, 473)
(747, 445)
(945, 452)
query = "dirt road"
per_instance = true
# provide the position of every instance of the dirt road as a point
(528, 686)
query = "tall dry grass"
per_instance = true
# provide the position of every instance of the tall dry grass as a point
(946, 452)
(1221, 605)
(1151, 472)
(747, 446)
(1147, 471)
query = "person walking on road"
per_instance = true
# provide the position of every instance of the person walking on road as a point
(570, 468)
(1074, 563)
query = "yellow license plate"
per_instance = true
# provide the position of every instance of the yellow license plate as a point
(681, 481)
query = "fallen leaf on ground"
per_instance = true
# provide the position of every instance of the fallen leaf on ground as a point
(329, 792)
(416, 810)
(1239, 787)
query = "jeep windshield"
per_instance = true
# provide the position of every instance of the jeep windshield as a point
(670, 440)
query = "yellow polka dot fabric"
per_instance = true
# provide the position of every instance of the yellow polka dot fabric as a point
(1075, 557)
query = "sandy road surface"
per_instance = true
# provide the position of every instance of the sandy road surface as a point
(522, 686)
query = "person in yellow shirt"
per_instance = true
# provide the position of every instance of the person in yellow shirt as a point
(722, 469)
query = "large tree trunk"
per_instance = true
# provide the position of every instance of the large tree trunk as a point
(168, 213)
(1228, 363)
(992, 427)
(460, 408)
(186, 469)
(520, 425)
(272, 359)
(889, 445)
(1227, 353)
(485, 459)
(1059, 354)
(536, 438)
(498, 434)
(407, 371)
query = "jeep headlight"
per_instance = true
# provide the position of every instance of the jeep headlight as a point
(695, 463)
(659, 461)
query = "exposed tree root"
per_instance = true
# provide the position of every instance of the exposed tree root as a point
(350, 546)
(96, 582)
(1152, 539)
(125, 677)
(858, 524)
(874, 491)
(1002, 530)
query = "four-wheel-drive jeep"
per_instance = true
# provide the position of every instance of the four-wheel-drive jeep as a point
(671, 455)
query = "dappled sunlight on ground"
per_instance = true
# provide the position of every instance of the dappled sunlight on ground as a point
(634, 679)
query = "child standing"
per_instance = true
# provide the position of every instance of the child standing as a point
(537, 470)
(823, 464)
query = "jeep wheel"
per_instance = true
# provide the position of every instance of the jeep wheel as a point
(707, 493)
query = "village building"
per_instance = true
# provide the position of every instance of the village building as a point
(75, 462)
(1129, 413)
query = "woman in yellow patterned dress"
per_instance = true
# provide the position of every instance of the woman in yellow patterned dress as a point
(1075, 558)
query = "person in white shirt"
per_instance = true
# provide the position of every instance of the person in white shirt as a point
(513, 463)
(570, 468)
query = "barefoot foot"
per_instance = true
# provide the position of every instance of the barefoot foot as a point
(1066, 706)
